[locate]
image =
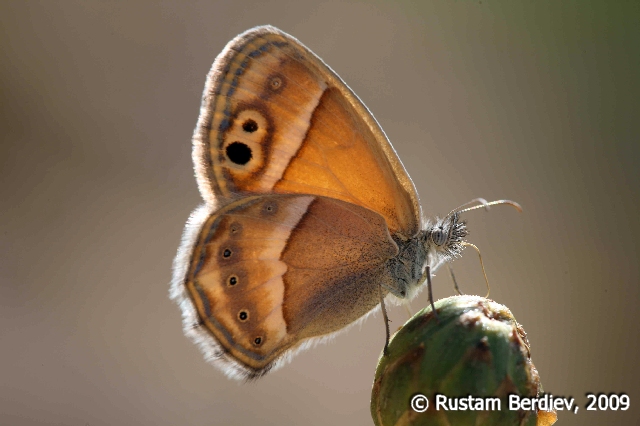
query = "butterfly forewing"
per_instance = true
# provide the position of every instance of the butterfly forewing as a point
(275, 118)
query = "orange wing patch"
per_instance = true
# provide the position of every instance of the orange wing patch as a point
(340, 158)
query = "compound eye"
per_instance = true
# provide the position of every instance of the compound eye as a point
(438, 236)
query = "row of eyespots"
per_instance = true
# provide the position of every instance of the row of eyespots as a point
(233, 280)
(239, 152)
(268, 208)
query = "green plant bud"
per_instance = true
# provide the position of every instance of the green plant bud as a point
(473, 350)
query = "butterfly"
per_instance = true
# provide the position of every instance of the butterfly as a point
(309, 219)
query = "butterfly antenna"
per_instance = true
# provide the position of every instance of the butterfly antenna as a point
(487, 205)
(486, 280)
(482, 202)
(385, 351)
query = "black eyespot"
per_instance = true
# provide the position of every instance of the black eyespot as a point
(233, 280)
(243, 315)
(250, 126)
(226, 253)
(239, 153)
(257, 341)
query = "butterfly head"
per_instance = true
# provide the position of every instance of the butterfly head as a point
(444, 238)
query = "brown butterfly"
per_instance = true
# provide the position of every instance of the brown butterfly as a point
(310, 218)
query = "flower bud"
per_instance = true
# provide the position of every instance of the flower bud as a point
(473, 350)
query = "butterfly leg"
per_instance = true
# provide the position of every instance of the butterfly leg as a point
(453, 278)
(385, 351)
(407, 307)
(429, 289)
(426, 276)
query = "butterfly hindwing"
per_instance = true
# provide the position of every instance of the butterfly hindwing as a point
(260, 286)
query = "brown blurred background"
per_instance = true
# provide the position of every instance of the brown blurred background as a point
(534, 101)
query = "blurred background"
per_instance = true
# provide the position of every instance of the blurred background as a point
(538, 102)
